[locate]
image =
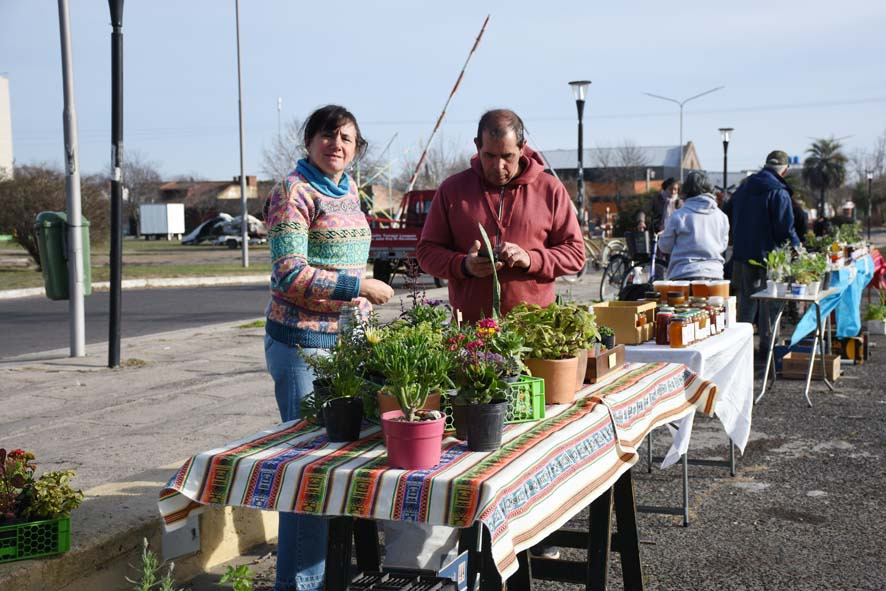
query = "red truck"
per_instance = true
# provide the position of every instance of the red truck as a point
(394, 240)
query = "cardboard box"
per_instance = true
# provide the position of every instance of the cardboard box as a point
(794, 366)
(622, 318)
(604, 364)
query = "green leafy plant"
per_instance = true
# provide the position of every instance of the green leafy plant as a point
(848, 233)
(777, 263)
(478, 369)
(151, 579)
(22, 497)
(240, 577)
(496, 286)
(877, 311)
(414, 364)
(605, 331)
(556, 331)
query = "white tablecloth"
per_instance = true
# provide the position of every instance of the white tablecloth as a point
(728, 361)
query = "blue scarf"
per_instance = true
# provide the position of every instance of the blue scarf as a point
(320, 181)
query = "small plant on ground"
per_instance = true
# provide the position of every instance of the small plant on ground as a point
(240, 577)
(151, 579)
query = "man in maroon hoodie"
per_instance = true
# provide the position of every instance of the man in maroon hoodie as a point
(526, 213)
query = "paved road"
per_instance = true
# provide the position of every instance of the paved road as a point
(36, 324)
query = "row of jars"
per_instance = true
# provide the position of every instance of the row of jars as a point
(685, 323)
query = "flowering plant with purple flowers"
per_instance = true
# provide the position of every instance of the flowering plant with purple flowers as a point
(478, 370)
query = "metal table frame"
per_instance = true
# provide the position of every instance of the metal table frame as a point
(818, 338)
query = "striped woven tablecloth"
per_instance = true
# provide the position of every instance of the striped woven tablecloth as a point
(543, 474)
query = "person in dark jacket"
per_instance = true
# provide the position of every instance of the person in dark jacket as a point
(801, 218)
(665, 203)
(760, 217)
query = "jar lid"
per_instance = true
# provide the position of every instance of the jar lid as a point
(716, 300)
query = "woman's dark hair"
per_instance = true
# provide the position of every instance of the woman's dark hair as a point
(329, 118)
(668, 183)
(697, 183)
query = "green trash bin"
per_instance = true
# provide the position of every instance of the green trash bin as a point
(52, 243)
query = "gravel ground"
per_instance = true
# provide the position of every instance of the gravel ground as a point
(805, 510)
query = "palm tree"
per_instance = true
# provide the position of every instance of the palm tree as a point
(824, 168)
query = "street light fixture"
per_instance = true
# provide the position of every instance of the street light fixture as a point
(725, 132)
(870, 175)
(681, 104)
(580, 90)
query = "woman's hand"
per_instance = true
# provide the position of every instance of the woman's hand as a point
(377, 292)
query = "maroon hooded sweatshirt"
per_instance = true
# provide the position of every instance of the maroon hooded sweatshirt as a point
(536, 214)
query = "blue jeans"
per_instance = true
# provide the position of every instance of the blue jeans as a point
(301, 539)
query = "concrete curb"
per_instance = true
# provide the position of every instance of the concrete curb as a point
(148, 283)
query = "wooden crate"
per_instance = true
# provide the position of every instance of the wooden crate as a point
(621, 317)
(794, 366)
(604, 364)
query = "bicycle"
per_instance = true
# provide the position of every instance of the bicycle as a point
(598, 251)
(623, 267)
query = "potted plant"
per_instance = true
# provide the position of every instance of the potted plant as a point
(777, 265)
(607, 337)
(339, 386)
(415, 364)
(34, 512)
(549, 335)
(580, 322)
(481, 374)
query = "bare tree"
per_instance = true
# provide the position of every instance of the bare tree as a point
(443, 160)
(142, 183)
(621, 166)
(42, 188)
(286, 148)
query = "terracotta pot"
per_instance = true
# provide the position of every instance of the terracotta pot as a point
(582, 355)
(412, 446)
(559, 376)
(388, 403)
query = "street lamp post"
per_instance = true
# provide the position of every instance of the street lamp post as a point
(580, 90)
(725, 132)
(244, 219)
(116, 259)
(870, 176)
(681, 104)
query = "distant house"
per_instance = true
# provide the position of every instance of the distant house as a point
(206, 199)
(610, 173)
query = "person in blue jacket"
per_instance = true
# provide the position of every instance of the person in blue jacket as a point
(761, 218)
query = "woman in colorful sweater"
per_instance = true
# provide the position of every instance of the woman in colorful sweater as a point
(319, 242)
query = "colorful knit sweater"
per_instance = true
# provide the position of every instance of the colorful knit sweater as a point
(319, 246)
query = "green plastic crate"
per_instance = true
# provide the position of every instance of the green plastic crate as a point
(33, 539)
(526, 402)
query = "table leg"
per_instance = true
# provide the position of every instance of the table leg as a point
(685, 461)
(811, 365)
(628, 535)
(469, 539)
(489, 576)
(599, 540)
(338, 553)
(366, 545)
(649, 452)
(522, 579)
(771, 356)
(731, 457)
(824, 373)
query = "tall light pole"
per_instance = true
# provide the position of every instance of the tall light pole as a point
(244, 219)
(72, 190)
(116, 261)
(870, 175)
(681, 104)
(580, 90)
(725, 132)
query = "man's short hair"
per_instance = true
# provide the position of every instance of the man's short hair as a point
(498, 123)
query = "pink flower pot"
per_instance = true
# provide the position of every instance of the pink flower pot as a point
(412, 446)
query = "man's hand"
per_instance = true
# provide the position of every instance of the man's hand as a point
(377, 292)
(479, 266)
(513, 255)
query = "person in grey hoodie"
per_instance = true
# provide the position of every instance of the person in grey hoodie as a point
(696, 235)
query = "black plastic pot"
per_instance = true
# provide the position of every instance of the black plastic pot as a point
(343, 417)
(608, 341)
(826, 281)
(485, 424)
(460, 421)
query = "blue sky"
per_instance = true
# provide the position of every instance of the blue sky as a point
(791, 71)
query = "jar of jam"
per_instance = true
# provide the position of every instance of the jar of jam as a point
(662, 318)
(678, 331)
(676, 298)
